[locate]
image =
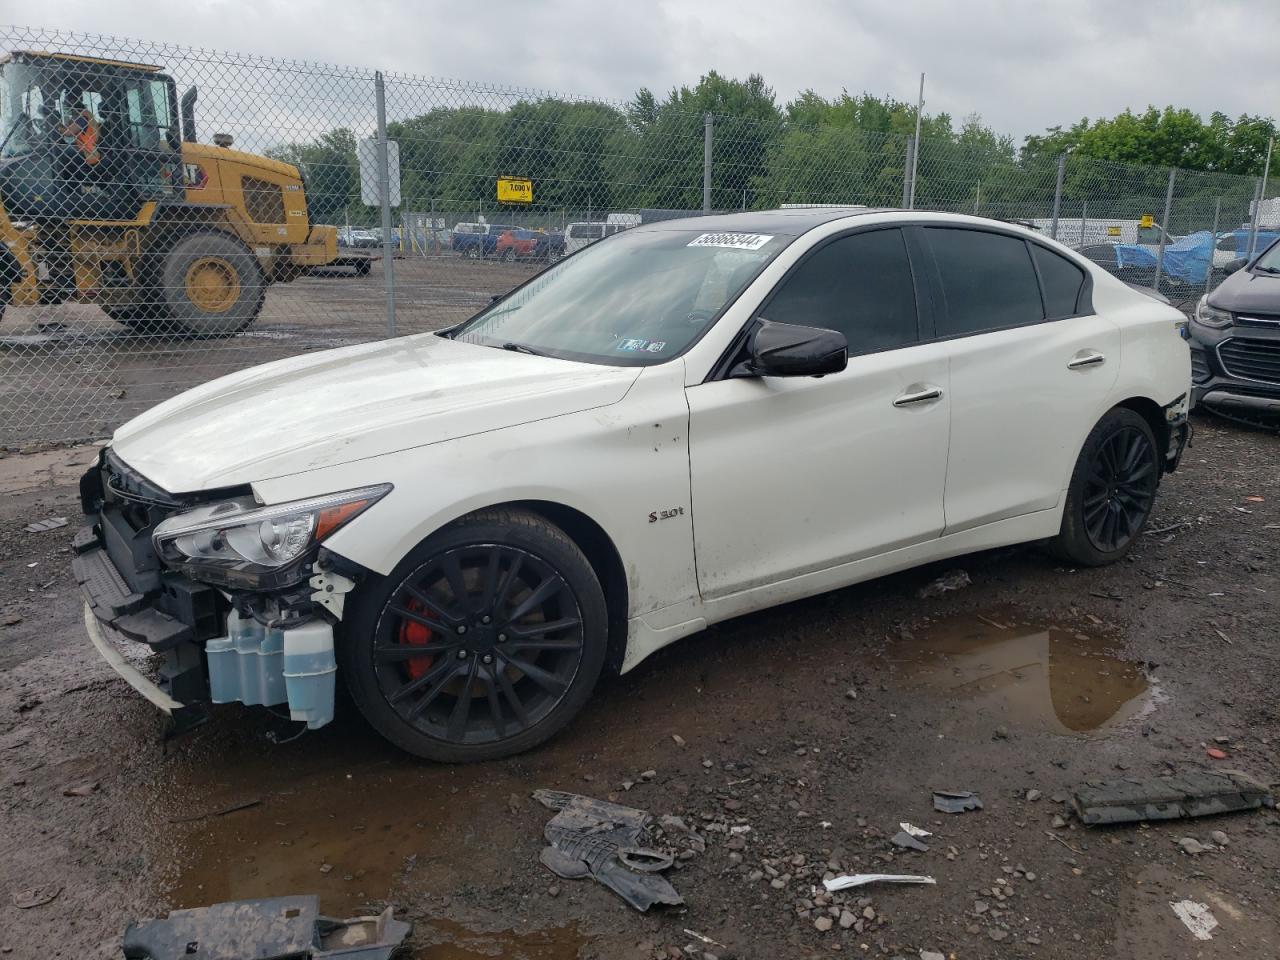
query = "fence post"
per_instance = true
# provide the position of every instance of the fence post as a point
(1262, 189)
(384, 198)
(1057, 195)
(1208, 274)
(915, 148)
(1084, 221)
(906, 176)
(708, 133)
(1253, 221)
(977, 198)
(1164, 228)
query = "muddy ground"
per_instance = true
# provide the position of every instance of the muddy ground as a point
(820, 725)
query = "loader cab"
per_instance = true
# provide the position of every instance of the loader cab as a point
(85, 139)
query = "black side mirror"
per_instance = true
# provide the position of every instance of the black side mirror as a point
(1232, 266)
(788, 350)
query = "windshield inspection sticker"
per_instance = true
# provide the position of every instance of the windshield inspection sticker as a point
(733, 241)
(642, 346)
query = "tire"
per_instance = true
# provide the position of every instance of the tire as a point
(471, 253)
(211, 285)
(363, 267)
(1112, 491)
(509, 255)
(415, 700)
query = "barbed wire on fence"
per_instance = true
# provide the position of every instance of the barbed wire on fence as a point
(173, 213)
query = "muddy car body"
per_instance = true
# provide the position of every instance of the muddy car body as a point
(686, 422)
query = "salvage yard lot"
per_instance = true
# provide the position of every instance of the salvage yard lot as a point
(820, 725)
(71, 372)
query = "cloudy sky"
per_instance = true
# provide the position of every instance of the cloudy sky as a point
(1021, 65)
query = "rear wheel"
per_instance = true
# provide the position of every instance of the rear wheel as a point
(212, 285)
(509, 254)
(1112, 491)
(483, 642)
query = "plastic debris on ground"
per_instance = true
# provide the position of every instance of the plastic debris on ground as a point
(276, 928)
(605, 841)
(40, 526)
(1132, 799)
(953, 580)
(1197, 917)
(907, 842)
(914, 830)
(862, 879)
(955, 801)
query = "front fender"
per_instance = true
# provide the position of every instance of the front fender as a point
(618, 465)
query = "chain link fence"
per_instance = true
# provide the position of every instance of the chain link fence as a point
(173, 214)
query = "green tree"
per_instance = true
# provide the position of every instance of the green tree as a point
(332, 172)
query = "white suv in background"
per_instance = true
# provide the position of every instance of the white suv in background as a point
(685, 422)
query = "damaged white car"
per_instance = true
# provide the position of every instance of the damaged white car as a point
(682, 423)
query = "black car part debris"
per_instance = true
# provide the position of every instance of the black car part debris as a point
(277, 928)
(955, 801)
(609, 843)
(1199, 794)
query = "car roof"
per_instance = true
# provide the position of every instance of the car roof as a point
(790, 222)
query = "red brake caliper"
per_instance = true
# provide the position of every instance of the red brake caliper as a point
(415, 634)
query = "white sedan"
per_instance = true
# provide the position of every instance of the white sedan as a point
(682, 423)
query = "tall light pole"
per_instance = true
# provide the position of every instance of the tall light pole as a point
(915, 149)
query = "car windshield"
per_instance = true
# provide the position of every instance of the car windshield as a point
(638, 298)
(1269, 262)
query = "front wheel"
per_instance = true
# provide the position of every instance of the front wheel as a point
(483, 642)
(1112, 491)
(212, 286)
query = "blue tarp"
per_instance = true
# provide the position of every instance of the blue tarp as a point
(1187, 259)
(1265, 239)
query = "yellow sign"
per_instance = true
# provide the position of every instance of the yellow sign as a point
(515, 190)
(1113, 231)
(1147, 221)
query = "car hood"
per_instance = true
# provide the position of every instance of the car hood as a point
(347, 404)
(1245, 292)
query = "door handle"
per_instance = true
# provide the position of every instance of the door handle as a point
(1086, 358)
(923, 395)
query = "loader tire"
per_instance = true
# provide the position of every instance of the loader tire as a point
(211, 286)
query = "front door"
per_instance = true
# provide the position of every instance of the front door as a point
(794, 475)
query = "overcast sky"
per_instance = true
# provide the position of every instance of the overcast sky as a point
(1021, 65)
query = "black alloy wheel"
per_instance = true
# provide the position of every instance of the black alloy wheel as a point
(1120, 489)
(1111, 492)
(487, 642)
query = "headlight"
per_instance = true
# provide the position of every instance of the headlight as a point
(1211, 316)
(240, 543)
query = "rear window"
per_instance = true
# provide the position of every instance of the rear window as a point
(1062, 281)
(988, 281)
(586, 231)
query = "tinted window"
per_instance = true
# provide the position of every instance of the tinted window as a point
(860, 285)
(987, 279)
(1061, 280)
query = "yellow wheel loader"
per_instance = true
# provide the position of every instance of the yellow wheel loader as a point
(107, 198)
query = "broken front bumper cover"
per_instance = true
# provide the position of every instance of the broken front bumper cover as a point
(278, 928)
(209, 656)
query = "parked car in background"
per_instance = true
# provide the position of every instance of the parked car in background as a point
(477, 240)
(522, 244)
(358, 237)
(517, 244)
(1235, 341)
(579, 235)
(469, 526)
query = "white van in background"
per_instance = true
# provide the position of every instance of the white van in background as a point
(579, 235)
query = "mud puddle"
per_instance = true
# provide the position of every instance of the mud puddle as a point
(999, 665)
(345, 817)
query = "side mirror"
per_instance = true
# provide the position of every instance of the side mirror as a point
(1232, 266)
(787, 350)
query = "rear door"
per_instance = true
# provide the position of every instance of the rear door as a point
(792, 475)
(1032, 368)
